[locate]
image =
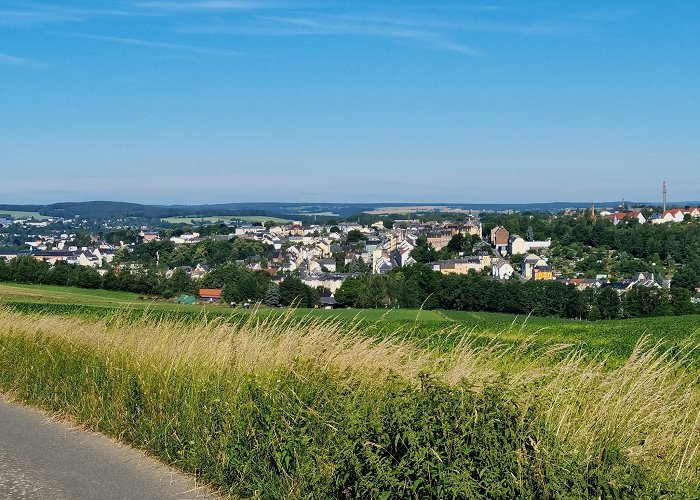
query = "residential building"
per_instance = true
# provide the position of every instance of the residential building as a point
(542, 273)
(499, 239)
(502, 269)
(439, 238)
(462, 265)
(519, 246)
(530, 262)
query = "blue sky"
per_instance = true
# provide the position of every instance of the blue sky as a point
(198, 101)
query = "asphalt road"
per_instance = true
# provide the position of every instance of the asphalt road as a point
(41, 459)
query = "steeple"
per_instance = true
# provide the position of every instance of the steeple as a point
(593, 214)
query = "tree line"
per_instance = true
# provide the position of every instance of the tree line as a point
(239, 283)
(419, 286)
(414, 286)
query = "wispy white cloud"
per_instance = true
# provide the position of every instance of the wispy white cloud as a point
(340, 25)
(155, 45)
(607, 15)
(29, 13)
(21, 62)
(25, 17)
(210, 5)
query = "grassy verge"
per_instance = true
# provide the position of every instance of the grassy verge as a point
(280, 407)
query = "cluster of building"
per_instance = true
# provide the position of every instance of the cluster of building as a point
(643, 279)
(533, 266)
(53, 249)
(317, 252)
(665, 217)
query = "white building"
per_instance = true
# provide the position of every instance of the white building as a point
(502, 270)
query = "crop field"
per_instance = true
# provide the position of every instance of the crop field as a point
(67, 295)
(16, 214)
(219, 218)
(437, 328)
(58, 295)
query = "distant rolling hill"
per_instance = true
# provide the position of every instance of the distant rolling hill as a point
(116, 209)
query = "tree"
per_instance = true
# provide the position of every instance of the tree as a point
(686, 278)
(110, 281)
(200, 255)
(119, 256)
(294, 292)
(181, 282)
(423, 252)
(609, 303)
(576, 306)
(530, 234)
(350, 292)
(60, 274)
(456, 244)
(359, 266)
(85, 277)
(680, 301)
(354, 236)
(82, 240)
(4, 272)
(340, 266)
(26, 269)
(272, 295)
(231, 294)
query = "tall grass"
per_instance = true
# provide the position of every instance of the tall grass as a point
(282, 406)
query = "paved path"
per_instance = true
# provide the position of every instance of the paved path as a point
(42, 459)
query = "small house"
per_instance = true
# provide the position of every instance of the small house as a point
(210, 294)
(327, 302)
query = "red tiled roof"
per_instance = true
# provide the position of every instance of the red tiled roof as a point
(210, 293)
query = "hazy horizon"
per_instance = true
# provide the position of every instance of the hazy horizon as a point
(576, 203)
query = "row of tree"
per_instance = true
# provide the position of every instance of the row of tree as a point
(410, 287)
(419, 286)
(239, 283)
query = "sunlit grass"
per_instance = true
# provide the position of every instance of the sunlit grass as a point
(647, 408)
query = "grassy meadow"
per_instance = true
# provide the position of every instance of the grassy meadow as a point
(367, 404)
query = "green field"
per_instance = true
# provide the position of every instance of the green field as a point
(443, 328)
(16, 214)
(310, 403)
(218, 218)
(49, 294)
